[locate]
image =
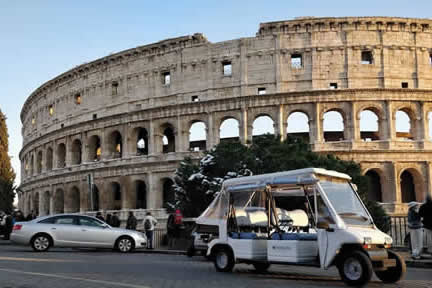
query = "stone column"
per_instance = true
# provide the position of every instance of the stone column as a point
(245, 129)
(315, 125)
(153, 191)
(41, 203)
(211, 135)
(84, 196)
(355, 123)
(422, 133)
(390, 133)
(68, 158)
(281, 124)
(128, 193)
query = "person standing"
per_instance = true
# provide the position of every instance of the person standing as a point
(131, 223)
(109, 219)
(426, 213)
(149, 226)
(99, 216)
(416, 232)
(115, 221)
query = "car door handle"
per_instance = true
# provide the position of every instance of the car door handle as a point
(84, 230)
(53, 228)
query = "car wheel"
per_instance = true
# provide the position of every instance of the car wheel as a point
(393, 274)
(261, 267)
(125, 244)
(355, 269)
(41, 242)
(224, 260)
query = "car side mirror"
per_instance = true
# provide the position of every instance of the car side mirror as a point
(322, 224)
(105, 226)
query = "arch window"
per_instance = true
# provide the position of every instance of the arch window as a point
(168, 194)
(61, 155)
(115, 145)
(403, 126)
(407, 187)
(333, 126)
(117, 195)
(168, 140)
(374, 181)
(263, 125)
(141, 194)
(229, 130)
(49, 159)
(197, 137)
(298, 126)
(59, 201)
(39, 162)
(369, 126)
(142, 141)
(95, 149)
(76, 152)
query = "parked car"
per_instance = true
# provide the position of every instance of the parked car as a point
(71, 230)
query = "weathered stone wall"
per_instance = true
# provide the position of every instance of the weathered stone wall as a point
(120, 93)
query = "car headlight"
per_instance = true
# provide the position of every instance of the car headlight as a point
(388, 240)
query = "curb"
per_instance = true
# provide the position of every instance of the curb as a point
(166, 252)
(418, 264)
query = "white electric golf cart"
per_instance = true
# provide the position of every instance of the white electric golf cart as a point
(310, 217)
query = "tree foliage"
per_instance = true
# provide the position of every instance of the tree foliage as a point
(7, 175)
(197, 182)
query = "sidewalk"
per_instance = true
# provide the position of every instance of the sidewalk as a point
(425, 262)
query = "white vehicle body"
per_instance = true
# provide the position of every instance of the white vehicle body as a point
(332, 220)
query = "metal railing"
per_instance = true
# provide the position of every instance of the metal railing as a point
(399, 232)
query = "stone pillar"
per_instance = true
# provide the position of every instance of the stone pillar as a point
(355, 123)
(281, 124)
(68, 158)
(153, 191)
(245, 129)
(397, 197)
(422, 123)
(128, 193)
(84, 196)
(315, 125)
(390, 133)
(211, 135)
(181, 133)
(41, 203)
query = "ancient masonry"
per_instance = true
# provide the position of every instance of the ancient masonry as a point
(125, 119)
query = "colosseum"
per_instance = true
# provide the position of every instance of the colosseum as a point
(110, 133)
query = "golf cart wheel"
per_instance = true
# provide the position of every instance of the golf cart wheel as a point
(125, 244)
(223, 260)
(41, 242)
(355, 268)
(261, 267)
(393, 274)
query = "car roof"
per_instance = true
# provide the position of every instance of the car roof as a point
(56, 215)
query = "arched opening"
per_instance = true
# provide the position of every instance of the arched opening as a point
(298, 126)
(94, 199)
(116, 196)
(197, 136)
(76, 152)
(407, 187)
(229, 130)
(374, 192)
(31, 171)
(403, 126)
(36, 203)
(262, 125)
(61, 155)
(141, 141)
(49, 159)
(45, 203)
(141, 194)
(168, 194)
(74, 200)
(115, 147)
(369, 126)
(168, 140)
(333, 126)
(95, 150)
(59, 201)
(39, 162)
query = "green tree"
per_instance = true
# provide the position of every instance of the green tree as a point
(266, 154)
(7, 175)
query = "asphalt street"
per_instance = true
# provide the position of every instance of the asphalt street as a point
(21, 267)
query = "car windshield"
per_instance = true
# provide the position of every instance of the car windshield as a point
(346, 203)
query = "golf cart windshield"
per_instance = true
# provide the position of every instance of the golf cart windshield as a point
(346, 203)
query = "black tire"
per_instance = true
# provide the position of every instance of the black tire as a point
(261, 266)
(41, 242)
(223, 260)
(355, 268)
(125, 244)
(393, 274)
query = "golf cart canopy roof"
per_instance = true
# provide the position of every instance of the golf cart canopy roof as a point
(294, 177)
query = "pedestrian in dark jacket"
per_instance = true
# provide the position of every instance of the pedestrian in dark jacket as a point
(99, 216)
(131, 223)
(108, 219)
(8, 227)
(115, 221)
(426, 213)
(415, 228)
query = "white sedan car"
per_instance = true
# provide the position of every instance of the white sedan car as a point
(71, 230)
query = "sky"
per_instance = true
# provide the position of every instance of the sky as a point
(40, 39)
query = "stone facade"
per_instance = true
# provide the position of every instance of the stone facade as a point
(125, 119)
